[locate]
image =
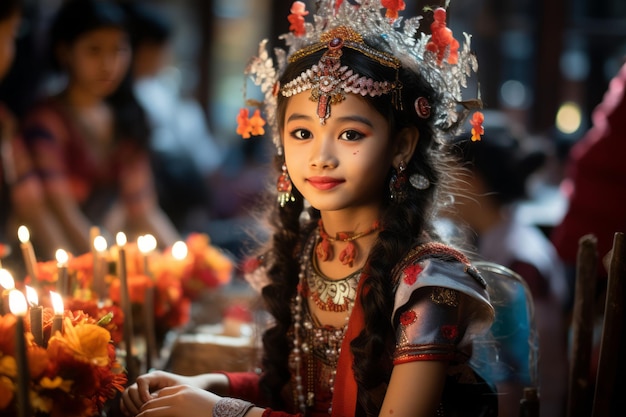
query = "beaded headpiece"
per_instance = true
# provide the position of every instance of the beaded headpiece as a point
(438, 58)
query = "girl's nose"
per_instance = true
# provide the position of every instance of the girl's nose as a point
(322, 154)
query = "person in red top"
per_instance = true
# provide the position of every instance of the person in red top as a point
(88, 141)
(595, 180)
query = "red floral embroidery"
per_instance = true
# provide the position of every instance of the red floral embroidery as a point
(296, 18)
(408, 317)
(411, 273)
(450, 331)
(392, 6)
(442, 39)
(477, 126)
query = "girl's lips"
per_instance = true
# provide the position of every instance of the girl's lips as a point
(324, 183)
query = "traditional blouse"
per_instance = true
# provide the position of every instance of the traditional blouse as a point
(441, 304)
(72, 165)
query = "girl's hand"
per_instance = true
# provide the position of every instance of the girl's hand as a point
(180, 400)
(145, 388)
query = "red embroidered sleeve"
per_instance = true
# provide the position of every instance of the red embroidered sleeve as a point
(244, 385)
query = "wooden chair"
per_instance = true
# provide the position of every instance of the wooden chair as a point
(589, 394)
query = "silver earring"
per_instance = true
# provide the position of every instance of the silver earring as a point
(419, 181)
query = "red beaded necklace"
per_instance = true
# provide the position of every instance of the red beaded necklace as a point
(324, 249)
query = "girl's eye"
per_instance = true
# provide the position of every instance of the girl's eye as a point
(351, 135)
(301, 134)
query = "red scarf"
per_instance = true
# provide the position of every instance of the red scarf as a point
(345, 394)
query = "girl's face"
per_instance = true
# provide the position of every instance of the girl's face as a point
(343, 163)
(97, 61)
(8, 31)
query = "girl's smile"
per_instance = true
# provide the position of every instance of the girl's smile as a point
(324, 183)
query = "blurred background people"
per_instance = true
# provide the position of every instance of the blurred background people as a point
(500, 171)
(184, 153)
(89, 138)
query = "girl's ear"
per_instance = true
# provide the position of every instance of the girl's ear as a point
(405, 145)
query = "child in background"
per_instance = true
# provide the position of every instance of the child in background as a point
(89, 141)
(373, 314)
(498, 178)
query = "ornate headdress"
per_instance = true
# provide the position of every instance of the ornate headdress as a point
(437, 58)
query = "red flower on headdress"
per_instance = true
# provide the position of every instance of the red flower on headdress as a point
(257, 123)
(408, 317)
(250, 126)
(477, 126)
(243, 124)
(392, 6)
(441, 38)
(296, 18)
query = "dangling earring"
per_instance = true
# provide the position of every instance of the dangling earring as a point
(419, 181)
(283, 186)
(398, 184)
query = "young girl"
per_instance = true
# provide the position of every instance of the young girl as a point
(89, 141)
(372, 315)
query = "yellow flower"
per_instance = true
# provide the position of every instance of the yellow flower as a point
(8, 366)
(87, 342)
(55, 383)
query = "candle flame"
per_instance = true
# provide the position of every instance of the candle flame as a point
(120, 239)
(17, 303)
(6, 279)
(179, 250)
(61, 256)
(31, 295)
(146, 243)
(100, 243)
(57, 302)
(23, 234)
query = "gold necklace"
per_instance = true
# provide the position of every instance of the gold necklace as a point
(324, 249)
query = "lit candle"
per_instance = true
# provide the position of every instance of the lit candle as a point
(8, 283)
(18, 308)
(179, 250)
(99, 264)
(147, 244)
(57, 319)
(62, 281)
(28, 252)
(131, 365)
(36, 315)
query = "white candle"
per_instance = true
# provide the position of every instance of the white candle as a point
(36, 315)
(147, 244)
(18, 306)
(62, 279)
(30, 261)
(99, 264)
(131, 365)
(57, 319)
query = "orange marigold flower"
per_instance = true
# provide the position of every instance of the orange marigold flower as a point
(243, 124)
(393, 6)
(296, 18)
(477, 126)
(257, 123)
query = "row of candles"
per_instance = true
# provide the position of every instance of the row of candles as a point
(18, 302)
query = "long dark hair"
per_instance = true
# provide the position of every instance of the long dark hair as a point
(74, 19)
(404, 226)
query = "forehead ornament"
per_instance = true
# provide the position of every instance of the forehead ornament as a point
(329, 81)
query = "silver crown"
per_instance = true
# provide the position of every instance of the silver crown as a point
(400, 38)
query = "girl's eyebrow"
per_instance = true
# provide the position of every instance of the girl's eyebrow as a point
(350, 118)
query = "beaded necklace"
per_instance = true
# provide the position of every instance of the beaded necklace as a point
(311, 338)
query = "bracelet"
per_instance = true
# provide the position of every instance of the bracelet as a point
(231, 407)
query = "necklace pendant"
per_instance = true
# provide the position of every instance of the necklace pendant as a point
(310, 399)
